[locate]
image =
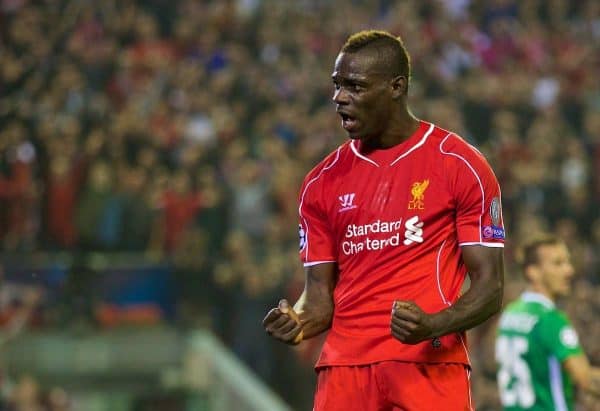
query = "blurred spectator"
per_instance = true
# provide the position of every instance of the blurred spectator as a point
(17, 188)
(18, 306)
(26, 395)
(180, 205)
(99, 213)
(137, 227)
(57, 399)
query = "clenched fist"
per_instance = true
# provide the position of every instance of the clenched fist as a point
(284, 324)
(409, 323)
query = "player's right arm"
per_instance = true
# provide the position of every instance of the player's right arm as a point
(312, 313)
(583, 374)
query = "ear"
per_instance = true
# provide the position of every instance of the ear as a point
(532, 273)
(399, 86)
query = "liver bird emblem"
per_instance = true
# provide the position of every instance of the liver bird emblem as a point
(417, 191)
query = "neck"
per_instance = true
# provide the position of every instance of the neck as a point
(404, 125)
(536, 288)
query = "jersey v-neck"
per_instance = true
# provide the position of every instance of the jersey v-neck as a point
(390, 156)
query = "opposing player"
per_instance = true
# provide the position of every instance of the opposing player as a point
(537, 349)
(391, 223)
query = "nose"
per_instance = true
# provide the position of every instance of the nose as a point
(340, 96)
(570, 270)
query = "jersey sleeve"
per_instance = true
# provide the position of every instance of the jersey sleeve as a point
(476, 195)
(316, 241)
(558, 336)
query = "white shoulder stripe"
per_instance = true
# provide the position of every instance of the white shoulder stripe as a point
(437, 275)
(327, 167)
(476, 176)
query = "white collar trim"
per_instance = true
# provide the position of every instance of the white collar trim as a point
(410, 150)
(531, 296)
(360, 155)
(413, 148)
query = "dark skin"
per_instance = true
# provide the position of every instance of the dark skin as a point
(373, 106)
(314, 307)
(411, 325)
(374, 98)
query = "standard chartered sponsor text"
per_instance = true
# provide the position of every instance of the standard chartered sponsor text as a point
(377, 226)
(368, 237)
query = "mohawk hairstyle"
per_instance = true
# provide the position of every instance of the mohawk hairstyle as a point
(392, 48)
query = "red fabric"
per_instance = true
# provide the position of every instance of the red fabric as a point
(146, 51)
(394, 221)
(62, 196)
(162, 125)
(179, 211)
(394, 386)
(110, 315)
(144, 55)
(18, 184)
(60, 213)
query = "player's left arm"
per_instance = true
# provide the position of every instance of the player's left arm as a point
(480, 232)
(411, 325)
(483, 299)
(583, 374)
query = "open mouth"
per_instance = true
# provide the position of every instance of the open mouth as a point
(348, 121)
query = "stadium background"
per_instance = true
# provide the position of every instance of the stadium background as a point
(151, 152)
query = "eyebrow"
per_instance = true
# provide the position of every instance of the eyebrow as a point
(355, 77)
(350, 77)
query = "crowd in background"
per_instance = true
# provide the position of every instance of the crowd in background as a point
(182, 130)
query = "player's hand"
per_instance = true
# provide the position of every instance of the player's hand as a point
(409, 323)
(283, 324)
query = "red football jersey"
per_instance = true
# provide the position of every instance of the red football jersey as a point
(394, 220)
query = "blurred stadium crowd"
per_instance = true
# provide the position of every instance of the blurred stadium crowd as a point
(181, 130)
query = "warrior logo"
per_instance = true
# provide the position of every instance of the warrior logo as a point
(346, 201)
